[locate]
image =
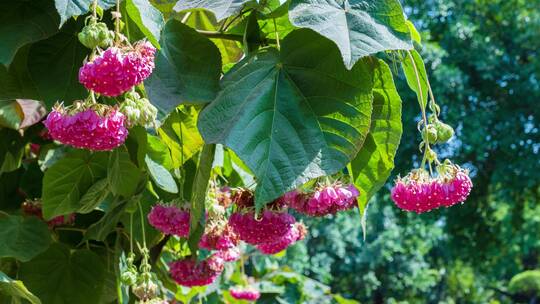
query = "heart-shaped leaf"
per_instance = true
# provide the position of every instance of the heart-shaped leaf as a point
(293, 115)
(358, 27)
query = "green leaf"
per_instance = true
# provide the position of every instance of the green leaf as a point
(60, 276)
(415, 72)
(99, 230)
(148, 19)
(23, 22)
(123, 175)
(16, 289)
(11, 150)
(358, 27)
(70, 8)
(415, 35)
(159, 152)
(291, 116)
(203, 20)
(11, 114)
(69, 179)
(188, 68)
(180, 134)
(15, 81)
(23, 237)
(373, 164)
(198, 199)
(95, 195)
(54, 67)
(161, 176)
(221, 8)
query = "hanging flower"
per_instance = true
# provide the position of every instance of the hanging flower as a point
(219, 238)
(297, 233)
(420, 192)
(117, 70)
(191, 273)
(170, 220)
(97, 128)
(229, 255)
(245, 293)
(271, 226)
(326, 199)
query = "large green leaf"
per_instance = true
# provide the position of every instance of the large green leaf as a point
(70, 8)
(15, 81)
(54, 67)
(148, 19)
(358, 27)
(23, 22)
(221, 8)
(180, 134)
(11, 114)
(95, 195)
(415, 73)
(61, 276)
(68, 180)
(23, 237)
(123, 175)
(372, 165)
(16, 289)
(292, 116)
(187, 70)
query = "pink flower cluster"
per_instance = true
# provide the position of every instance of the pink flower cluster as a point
(245, 293)
(35, 208)
(88, 129)
(269, 227)
(297, 233)
(419, 193)
(170, 220)
(325, 200)
(117, 70)
(229, 255)
(219, 239)
(191, 273)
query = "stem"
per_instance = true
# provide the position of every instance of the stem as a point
(142, 225)
(198, 199)
(422, 107)
(94, 10)
(277, 34)
(131, 233)
(93, 96)
(186, 17)
(118, 16)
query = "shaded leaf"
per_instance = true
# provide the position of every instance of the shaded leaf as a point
(60, 276)
(95, 195)
(23, 237)
(358, 27)
(23, 22)
(187, 70)
(291, 116)
(99, 230)
(69, 179)
(11, 114)
(70, 8)
(123, 175)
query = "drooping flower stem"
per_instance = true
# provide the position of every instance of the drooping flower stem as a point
(422, 107)
(200, 186)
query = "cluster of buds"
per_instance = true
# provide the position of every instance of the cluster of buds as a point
(138, 111)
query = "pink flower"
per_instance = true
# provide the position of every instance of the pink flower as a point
(229, 255)
(245, 293)
(219, 239)
(270, 227)
(117, 70)
(191, 273)
(420, 193)
(170, 220)
(298, 232)
(87, 129)
(327, 200)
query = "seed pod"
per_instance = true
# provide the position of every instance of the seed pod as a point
(96, 34)
(444, 132)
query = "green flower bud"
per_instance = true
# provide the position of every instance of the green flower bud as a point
(128, 277)
(444, 132)
(429, 134)
(96, 34)
(139, 111)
